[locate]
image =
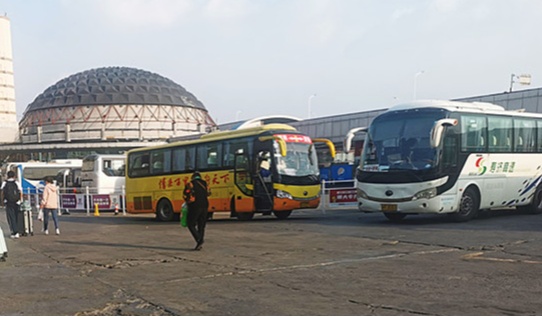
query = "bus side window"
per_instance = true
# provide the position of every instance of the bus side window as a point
(473, 130)
(449, 151)
(107, 168)
(190, 158)
(158, 161)
(140, 164)
(524, 135)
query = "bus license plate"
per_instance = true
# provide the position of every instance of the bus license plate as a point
(388, 207)
(304, 205)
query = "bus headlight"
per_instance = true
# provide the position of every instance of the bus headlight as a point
(362, 194)
(283, 194)
(425, 194)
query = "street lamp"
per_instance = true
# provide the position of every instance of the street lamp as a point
(237, 115)
(415, 82)
(310, 99)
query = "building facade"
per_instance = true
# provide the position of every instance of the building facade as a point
(8, 113)
(106, 110)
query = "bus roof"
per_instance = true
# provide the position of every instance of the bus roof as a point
(472, 107)
(61, 163)
(247, 131)
(449, 105)
(94, 157)
(219, 135)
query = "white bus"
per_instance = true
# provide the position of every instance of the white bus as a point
(451, 157)
(103, 173)
(31, 174)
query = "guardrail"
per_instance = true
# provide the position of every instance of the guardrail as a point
(338, 194)
(78, 198)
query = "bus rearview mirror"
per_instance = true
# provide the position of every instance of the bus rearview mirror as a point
(438, 129)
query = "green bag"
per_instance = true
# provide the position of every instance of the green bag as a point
(184, 214)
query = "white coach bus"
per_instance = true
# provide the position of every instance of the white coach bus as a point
(451, 157)
(31, 174)
(103, 173)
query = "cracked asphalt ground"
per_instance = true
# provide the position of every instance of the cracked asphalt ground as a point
(335, 263)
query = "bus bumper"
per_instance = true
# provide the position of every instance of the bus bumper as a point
(283, 204)
(439, 204)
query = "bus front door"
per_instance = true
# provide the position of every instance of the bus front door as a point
(263, 184)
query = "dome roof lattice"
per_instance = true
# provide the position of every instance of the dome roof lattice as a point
(114, 86)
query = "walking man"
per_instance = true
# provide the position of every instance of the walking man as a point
(195, 195)
(12, 198)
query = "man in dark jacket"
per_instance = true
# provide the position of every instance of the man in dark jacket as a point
(11, 192)
(195, 195)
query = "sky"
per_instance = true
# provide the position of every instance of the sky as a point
(303, 58)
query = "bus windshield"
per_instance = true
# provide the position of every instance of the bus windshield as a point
(400, 141)
(113, 167)
(109, 166)
(300, 159)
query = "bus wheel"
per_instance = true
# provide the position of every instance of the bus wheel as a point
(244, 216)
(394, 216)
(468, 207)
(282, 214)
(535, 207)
(164, 211)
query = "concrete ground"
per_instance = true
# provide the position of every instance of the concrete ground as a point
(335, 263)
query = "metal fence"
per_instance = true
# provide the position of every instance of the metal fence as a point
(82, 198)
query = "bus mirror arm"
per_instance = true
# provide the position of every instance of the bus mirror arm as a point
(329, 144)
(350, 135)
(438, 129)
(280, 141)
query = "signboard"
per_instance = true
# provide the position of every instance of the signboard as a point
(72, 201)
(342, 197)
(79, 201)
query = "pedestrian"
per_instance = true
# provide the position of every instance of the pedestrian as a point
(49, 204)
(11, 191)
(195, 195)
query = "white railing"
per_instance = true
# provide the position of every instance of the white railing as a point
(78, 198)
(338, 194)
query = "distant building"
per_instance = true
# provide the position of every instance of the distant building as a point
(8, 109)
(529, 99)
(106, 110)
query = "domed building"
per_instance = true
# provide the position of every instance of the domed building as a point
(107, 110)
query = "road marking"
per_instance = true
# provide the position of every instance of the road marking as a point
(479, 256)
(313, 265)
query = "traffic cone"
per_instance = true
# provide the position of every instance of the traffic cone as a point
(116, 209)
(96, 210)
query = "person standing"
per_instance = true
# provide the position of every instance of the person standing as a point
(195, 195)
(11, 191)
(49, 204)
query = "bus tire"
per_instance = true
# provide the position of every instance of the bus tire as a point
(164, 210)
(535, 207)
(468, 207)
(283, 214)
(245, 216)
(394, 216)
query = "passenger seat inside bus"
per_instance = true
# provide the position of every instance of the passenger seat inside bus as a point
(157, 166)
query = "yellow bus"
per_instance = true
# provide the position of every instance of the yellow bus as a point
(267, 169)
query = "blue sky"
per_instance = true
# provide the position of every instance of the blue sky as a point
(248, 58)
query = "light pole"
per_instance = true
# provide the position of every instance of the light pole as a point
(310, 99)
(415, 82)
(237, 115)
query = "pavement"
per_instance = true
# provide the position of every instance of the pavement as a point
(314, 263)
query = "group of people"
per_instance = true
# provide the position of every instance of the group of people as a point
(12, 197)
(195, 194)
